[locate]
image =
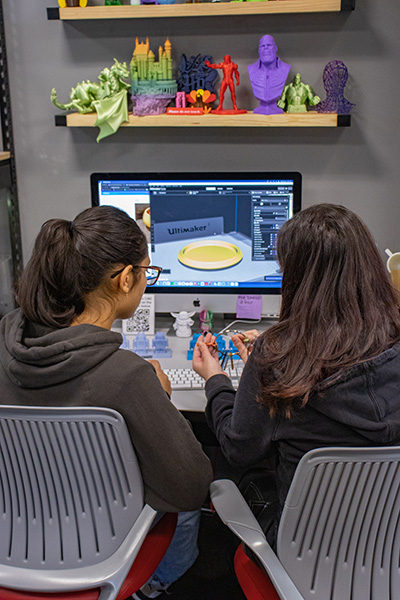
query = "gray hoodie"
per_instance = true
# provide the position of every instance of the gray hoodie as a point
(84, 366)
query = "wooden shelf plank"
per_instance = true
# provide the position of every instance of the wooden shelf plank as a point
(4, 155)
(204, 9)
(310, 119)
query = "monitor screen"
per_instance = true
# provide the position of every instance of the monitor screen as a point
(214, 235)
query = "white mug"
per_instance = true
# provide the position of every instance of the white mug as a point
(393, 266)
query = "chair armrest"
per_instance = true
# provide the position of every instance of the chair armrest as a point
(234, 511)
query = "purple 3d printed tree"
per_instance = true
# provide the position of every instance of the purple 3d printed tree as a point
(335, 78)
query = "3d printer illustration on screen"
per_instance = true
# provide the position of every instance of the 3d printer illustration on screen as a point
(217, 233)
(210, 255)
(229, 234)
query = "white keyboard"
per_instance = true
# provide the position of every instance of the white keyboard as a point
(187, 379)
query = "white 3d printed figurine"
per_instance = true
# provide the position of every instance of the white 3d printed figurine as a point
(183, 323)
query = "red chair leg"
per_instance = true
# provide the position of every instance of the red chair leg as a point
(256, 585)
(149, 557)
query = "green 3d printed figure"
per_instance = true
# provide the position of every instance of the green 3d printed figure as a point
(85, 93)
(296, 96)
(109, 98)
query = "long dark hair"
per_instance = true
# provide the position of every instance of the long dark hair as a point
(72, 258)
(338, 307)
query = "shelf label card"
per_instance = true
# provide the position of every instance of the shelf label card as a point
(248, 307)
(184, 111)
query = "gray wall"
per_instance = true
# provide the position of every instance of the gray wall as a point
(356, 166)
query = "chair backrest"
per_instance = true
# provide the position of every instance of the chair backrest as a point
(70, 493)
(339, 534)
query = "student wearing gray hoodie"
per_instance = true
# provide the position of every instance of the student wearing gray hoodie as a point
(58, 349)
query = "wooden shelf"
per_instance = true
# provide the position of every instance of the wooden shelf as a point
(202, 9)
(5, 169)
(310, 119)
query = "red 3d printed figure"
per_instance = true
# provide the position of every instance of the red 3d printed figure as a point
(229, 69)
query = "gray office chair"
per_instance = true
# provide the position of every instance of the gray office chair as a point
(72, 514)
(339, 534)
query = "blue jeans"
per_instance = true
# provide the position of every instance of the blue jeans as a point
(182, 551)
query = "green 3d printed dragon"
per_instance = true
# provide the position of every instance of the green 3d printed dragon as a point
(83, 96)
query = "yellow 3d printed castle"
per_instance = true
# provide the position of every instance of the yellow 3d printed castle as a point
(149, 76)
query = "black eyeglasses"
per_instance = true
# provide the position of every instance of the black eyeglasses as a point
(152, 273)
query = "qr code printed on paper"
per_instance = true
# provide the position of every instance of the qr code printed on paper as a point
(143, 319)
(139, 322)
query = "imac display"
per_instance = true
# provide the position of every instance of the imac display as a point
(214, 235)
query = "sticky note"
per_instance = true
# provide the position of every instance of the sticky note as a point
(248, 307)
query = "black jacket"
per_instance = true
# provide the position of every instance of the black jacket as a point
(361, 408)
(83, 366)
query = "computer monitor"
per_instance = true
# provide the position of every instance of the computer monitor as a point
(214, 234)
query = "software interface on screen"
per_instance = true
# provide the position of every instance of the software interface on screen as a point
(208, 233)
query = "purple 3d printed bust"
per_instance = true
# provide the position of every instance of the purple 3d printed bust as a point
(268, 76)
(335, 78)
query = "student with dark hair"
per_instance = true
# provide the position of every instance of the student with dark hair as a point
(328, 373)
(58, 349)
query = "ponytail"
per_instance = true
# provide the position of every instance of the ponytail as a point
(71, 258)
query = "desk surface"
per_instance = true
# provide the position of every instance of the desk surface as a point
(188, 400)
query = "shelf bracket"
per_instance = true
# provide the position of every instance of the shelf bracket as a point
(344, 120)
(53, 13)
(348, 5)
(60, 120)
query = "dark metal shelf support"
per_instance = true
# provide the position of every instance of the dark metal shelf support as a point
(8, 145)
